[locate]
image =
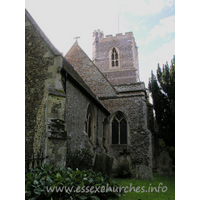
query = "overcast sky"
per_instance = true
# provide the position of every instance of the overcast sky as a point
(151, 21)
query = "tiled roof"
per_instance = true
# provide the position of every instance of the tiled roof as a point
(89, 72)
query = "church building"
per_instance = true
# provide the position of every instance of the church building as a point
(73, 102)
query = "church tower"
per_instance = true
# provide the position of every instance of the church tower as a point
(116, 57)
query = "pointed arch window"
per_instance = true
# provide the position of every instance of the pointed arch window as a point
(105, 129)
(89, 123)
(119, 129)
(114, 58)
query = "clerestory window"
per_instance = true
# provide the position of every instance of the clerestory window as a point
(119, 129)
(114, 58)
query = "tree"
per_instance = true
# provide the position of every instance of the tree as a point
(162, 89)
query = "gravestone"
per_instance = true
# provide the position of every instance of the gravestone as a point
(144, 172)
(103, 163)
(164, 163)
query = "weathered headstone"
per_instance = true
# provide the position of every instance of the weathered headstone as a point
(103, 163)
(164, 163)
(144, 172)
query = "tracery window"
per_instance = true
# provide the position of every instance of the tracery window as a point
(114, 58)
(119, 129)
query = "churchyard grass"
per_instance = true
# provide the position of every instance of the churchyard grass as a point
(168, 181)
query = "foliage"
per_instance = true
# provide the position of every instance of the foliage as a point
(170, 150)
(162, 88)
(81, 159)
(124, 170)
(38, 182)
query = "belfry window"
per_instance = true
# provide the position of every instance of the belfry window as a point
(114, 58)
(119, 129)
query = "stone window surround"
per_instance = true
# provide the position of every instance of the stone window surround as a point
(90, 122)
(127, 134)
(110, 59)
(105, 133)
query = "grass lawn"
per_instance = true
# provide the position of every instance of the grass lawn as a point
(143, 192)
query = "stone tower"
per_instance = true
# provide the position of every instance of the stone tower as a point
(116, 57)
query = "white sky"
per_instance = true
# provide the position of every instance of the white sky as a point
(151, 21)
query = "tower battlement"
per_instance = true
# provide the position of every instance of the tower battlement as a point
(98, 35)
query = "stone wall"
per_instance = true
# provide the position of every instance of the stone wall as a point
(45, 97)
(139, 137)
(36, 72)
(76, 111)
(55, 137)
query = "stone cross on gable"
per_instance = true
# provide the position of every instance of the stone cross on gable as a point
(76, 38)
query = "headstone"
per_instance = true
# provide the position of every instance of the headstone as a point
(164, 163)
(103, 163)
(144, 172)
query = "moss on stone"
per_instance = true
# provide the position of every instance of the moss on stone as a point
(60, 90)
